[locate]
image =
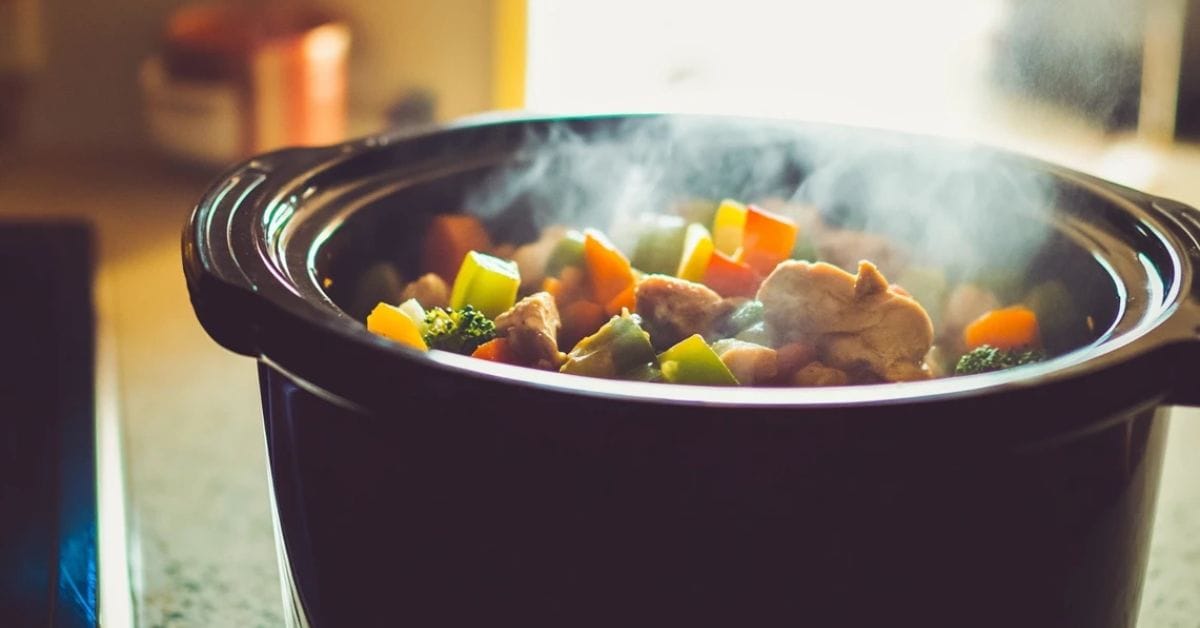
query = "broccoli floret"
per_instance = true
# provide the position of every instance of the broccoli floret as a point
(988, 358)
(459, 331)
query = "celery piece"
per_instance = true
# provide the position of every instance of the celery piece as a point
(488, 283)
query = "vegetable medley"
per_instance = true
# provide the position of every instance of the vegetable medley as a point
(732, 296)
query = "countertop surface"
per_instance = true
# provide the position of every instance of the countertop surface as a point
(201, 543)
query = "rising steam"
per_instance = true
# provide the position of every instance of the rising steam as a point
(947, 205)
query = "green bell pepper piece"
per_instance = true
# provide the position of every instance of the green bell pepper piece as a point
(619, 349)
(660, 244)
(739, 320)
(692, 361)
(758, 334)
(568, 252)
(488, 283)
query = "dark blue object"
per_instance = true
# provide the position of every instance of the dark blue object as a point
(48, 570)
(437, 490)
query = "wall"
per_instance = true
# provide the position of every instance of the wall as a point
(405, 44)
(86, 92)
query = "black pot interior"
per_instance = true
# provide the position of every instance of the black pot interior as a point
(1007, 223)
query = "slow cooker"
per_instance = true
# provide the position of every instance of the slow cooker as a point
(437, 490)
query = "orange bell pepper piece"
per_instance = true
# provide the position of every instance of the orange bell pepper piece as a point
(607, 267)
(731, 278)
(767, 239)
(626, 300)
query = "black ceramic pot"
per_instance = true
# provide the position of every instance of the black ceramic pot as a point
(436, 490)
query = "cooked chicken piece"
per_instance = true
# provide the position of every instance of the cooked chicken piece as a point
(793, 356)
(817, 374)
(751, 364)
(881, 352)
(429, 290)
(673, 309)
(531, 326)
(860, 322)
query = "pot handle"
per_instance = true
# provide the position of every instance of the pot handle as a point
(220, 241)
(1183, 347)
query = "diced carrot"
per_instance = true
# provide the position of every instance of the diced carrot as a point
(607, 267)
(1007, 328)
(579, 319)
(626, 300)
(768, 239)
(731, 278)
(495, 350)
(448, 240)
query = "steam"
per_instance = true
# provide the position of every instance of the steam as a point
(946, 205)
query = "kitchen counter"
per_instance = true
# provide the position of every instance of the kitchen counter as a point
(201, 546)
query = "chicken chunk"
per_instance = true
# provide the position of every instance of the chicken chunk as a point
(750, 363)
(429, 290)
(860, 322)
(818, 374)
(531, 326)
(673, 309)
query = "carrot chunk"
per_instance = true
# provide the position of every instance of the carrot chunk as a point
(1006, 328)
(448, 240)
(495, 350)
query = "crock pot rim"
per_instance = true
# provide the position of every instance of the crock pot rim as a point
(1170, 324)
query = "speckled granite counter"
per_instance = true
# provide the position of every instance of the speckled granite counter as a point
(201, 544)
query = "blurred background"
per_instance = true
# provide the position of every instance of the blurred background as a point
(214, 82)
(119, 113)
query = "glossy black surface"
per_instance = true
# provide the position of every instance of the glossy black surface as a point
(439, 490)
(492, 505)
(47, 462)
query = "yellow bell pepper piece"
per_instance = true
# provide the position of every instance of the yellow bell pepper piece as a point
(728, 225)
(697, 249)
(390, 321)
